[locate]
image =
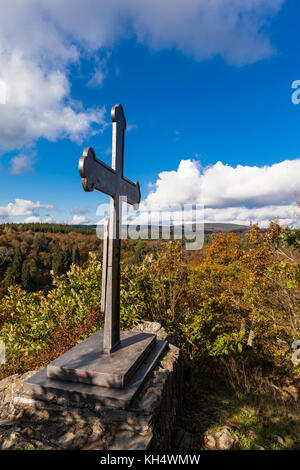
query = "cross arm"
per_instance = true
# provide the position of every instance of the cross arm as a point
(97, 175)
(130, 190)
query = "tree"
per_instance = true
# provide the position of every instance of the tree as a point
(291, 237)
(9, 278)
(67, 258)
(40, 242)
(36, 279)
(76, 255)
(26, 278)
(16, 266)
(4, 260)
(58, 261)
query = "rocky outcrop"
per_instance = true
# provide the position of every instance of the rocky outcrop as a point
(27, 423)
(221, 440)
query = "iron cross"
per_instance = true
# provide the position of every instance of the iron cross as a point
(97, 175)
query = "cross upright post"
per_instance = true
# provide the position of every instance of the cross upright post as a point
(97, 175)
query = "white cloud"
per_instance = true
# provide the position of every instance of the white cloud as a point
(41, 39)
(287, 214)
(225, 186)
(23, 207)
(34, 58)
(32, 219)
(21, 164)
(81, 220)
(230, 194)
(199, 28)
(97, 78)
(131, 127)
(99, 73)
(37, 104)
(175, 188)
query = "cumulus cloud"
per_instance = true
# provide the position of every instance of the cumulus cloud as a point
(41, 39)
(173, 188)
(230, 194)
(287, 214)
(34, 59)
(21, 164)
(38, 105)
(251, 186)
(33, 219)
(81, 220)
(196, 27)
(23, 207)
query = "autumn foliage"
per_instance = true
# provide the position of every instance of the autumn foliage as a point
(235, 302)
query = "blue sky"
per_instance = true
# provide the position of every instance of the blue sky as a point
(206, 89)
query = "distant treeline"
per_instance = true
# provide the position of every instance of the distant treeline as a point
(90, 230)
(30, 251)
(47, 227)
(28, 256)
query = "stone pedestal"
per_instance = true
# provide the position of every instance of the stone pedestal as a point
(60, 423)
(86, 374)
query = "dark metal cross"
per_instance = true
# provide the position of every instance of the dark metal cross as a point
(97, 175)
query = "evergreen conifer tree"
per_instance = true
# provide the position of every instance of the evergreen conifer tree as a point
(58, 261)
(16, 266)
(76, 255)
(26, 278)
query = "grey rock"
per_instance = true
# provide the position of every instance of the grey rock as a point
(258, 447)
(6, 423)
(28, 432)
(10, 441)
(110, 416)
(66, 440)
(224, 440)
(134, 428)
(127, 440)
(210, 442)
(24, 401)
(280, 440)
(148, 327)
(148, 402)
(80, 439)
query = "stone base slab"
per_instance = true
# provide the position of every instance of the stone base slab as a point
(44, 388)
(86, 362)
